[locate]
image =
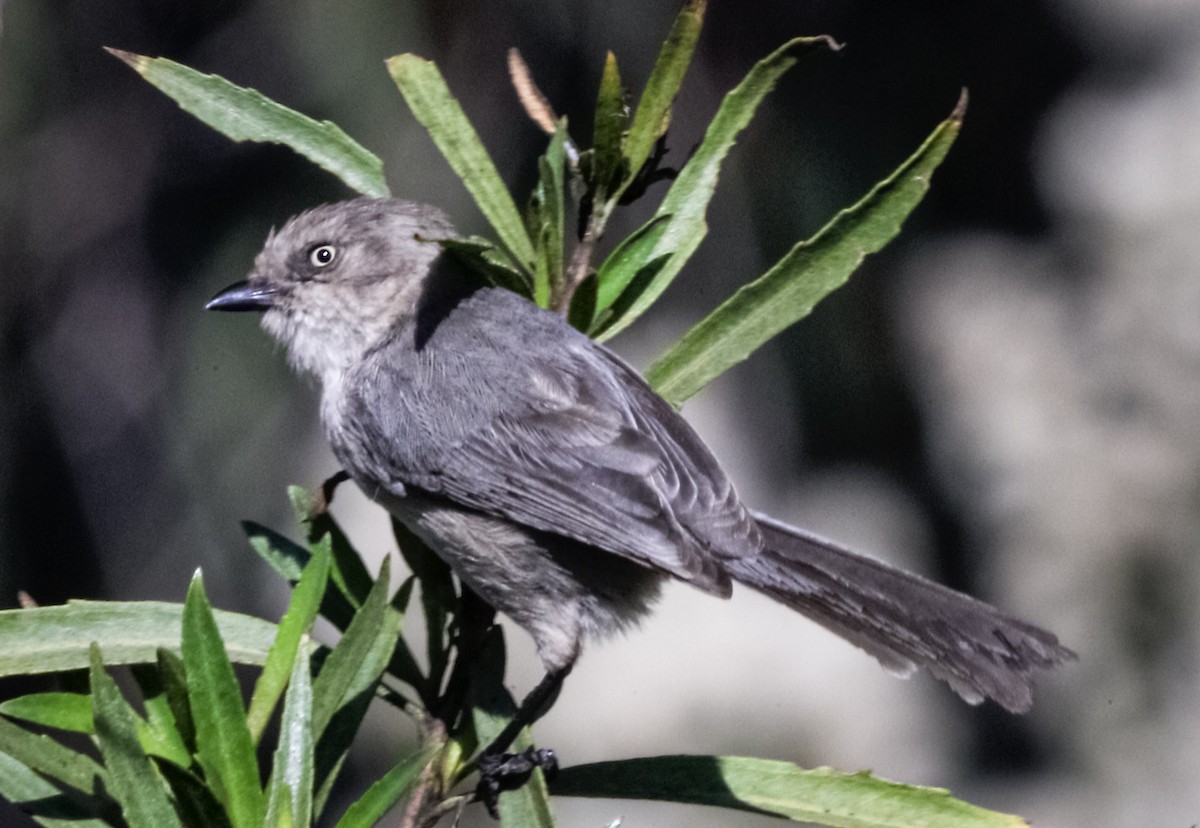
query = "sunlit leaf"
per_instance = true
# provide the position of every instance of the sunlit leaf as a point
(687, 201)
(247, 115)
(822, 796)
(809, 272)
(132, 780)
(223, 742)
(433, 105)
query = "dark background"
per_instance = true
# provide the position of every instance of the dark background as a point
(1006, 398)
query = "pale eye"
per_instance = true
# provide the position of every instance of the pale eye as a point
(322, 255)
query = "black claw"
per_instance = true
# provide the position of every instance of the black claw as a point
(500, 772)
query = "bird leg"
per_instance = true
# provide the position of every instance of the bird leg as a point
(500, 770)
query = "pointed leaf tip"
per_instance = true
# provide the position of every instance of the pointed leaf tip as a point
(138, 62)
(960, 108)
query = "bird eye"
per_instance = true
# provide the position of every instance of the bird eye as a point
(322, 255)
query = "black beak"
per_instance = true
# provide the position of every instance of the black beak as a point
(243, 296)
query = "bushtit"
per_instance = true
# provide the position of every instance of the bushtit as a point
(551, 477)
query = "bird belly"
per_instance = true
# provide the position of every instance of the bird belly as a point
(558, 590)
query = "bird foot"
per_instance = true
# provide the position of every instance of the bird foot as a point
(509, 771)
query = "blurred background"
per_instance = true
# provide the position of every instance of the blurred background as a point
(1006, 399)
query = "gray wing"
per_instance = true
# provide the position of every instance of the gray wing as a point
(561, 436)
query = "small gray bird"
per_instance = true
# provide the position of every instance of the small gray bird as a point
(550, 476)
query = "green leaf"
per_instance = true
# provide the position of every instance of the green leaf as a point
(425, 91)
(482, 257)
(394, 786)
(349, 670)
(161, 734)
(348, 678)
(296, 622)
(687, 201)
(438, 603)
(548, 215)
(195, 800)
(822, 796)
(492, 708)
(48, 805)
(348, 572)
(52, 759)
(288, 559)
(809, 272)
(173, 675)
(634, 255)
(56, 639)
(65, 711)
(246, 115)
(653, 114)
(132, 779)
(290, 793)
(224, 747)
(612, 119)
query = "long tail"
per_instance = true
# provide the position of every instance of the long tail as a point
(903, 620)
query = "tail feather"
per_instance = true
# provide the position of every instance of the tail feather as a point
(903, 620)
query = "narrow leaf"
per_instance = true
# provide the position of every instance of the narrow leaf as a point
(635, 253)
(346, 684)
(173, 675)
(132, 779)
(56, 639)
(52, 759)
(47, 804)
(296, 622)
(349, 572)
(687, 201)
(247, 115)
(64, 711)
(822, 796)
(225, 749)
(393, 787)
(195, 800)
(288, 559)
(341, 677)
(290, 794)
(548, 200)
(485, 259)
(492, 708)
(161, 734)
(809, 272)
(653, 113)
(612, 118)
(433, 105)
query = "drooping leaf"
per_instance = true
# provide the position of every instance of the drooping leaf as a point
(809, 272)
(436, 109)
(56, 639)
(247, 115)
(295, 624)
(822, 796)
(391, 788)
(224, 747)
(290, 791)
(132, 779)
(687, 200)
